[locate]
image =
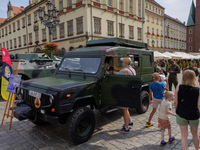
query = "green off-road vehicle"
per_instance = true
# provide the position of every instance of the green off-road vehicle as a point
(81, 85)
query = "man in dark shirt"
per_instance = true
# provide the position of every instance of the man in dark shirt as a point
(192, 67)
(173, 70)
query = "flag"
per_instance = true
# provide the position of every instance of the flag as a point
(6, 72)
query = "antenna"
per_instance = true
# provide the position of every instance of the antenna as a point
(121, 19)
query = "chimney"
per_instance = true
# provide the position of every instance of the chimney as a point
(29, 2)
(21, 6)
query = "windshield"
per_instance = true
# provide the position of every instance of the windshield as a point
(85, 65)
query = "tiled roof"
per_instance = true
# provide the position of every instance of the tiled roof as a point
(173, 19)
(17, 10)
(191, 17)
(153, 1)
(2, 20)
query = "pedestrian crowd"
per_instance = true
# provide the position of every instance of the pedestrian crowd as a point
(186, 100)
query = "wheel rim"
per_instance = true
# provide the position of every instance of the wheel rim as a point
(145, 103)
(84, 126)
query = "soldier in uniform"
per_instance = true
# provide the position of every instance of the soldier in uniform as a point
(173, 70)
(192, 67)
(156, 67)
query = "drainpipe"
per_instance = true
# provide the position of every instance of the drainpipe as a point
(143, 20)
(91, 19)
(117, 18)
(26, 32)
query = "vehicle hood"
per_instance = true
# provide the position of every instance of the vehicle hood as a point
(53, 84)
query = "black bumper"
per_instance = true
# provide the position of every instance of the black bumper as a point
(47, 118)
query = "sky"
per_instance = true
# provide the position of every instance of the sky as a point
(175, 8)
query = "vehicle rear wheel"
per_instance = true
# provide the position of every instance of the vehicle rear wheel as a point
(144, 102)
(80, 125)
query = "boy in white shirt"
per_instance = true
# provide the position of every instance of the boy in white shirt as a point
(163, 119)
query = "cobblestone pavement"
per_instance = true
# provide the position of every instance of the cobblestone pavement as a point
(26, 135)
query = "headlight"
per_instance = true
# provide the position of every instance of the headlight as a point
(50, 100)
(22, 91)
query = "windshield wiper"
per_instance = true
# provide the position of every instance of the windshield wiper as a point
(81, 71)
(68, 70)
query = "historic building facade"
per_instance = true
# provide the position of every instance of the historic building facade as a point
(163, 32)
(80, 21)
(193, 28)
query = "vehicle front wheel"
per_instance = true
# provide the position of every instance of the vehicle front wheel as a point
(144, 102)
(80, 125)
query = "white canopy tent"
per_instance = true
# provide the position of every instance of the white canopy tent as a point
(185, 55)
(158, 55)
(172, 55)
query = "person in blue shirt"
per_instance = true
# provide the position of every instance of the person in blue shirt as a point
(157, 88)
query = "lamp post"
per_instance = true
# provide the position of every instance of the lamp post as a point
(153, 42)
(50, 19)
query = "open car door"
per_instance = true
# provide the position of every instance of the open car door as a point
(121, 90)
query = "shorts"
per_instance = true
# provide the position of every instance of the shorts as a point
(184, 122)
(163, 124)
(156, 102)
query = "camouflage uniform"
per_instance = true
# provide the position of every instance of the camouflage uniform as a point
(173, 76)
(194, 69)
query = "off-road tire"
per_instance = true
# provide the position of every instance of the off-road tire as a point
(144, 102)
(80, 125)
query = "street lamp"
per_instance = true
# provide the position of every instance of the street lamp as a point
(153, 42)
(50, 19)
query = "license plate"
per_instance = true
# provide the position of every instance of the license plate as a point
(35, 94)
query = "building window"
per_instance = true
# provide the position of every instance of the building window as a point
(121, 5)
(44, 34)
(131, 32)
(24, 36)
(10, 44)
(3, 44)
(97, 25)
(30, 37)
(36, 36)
(15, 42)
(53, 2)
(29, 19)
(131, 6)
(152, 30)
(62, 30)
(110, 3)
(146, 5)
(139, 33)
(70, 27)
(78, 1)
(69, 3)
(35, 16)
(157, 43)
(54, 33)
(157, 21)
(161, 45)
(147, 29)
(19, 40)
(7, 44)
(9, 28)
(110, 28)
(147, 41)
(79, 25)
(60, 4)
(139, 8)
(161, 22)
(190, 39)
(18, 25)
(14, 27)
(121, 30)
(190, 48)
(149, 7)
(2, 32)
(23, 22)
(152, 8)
(147, 17)
(161, 32)
(190, 31)
(6, 31)
(159, 11)
(152, 19)
(157, 31)
(156, 10)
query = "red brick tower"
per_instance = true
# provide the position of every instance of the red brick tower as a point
(191, 30)
(197, 27)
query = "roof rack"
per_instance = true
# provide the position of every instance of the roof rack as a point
(116, 42)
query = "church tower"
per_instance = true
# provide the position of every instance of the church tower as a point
(10, 11)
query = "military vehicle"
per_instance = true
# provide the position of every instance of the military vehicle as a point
(81, 85)
(32, 65)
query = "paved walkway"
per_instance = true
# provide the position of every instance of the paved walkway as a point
(25, 135)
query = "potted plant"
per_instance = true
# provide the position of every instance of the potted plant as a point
(36, 42)
(52, 47)
(30, 43)
(44, 40)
